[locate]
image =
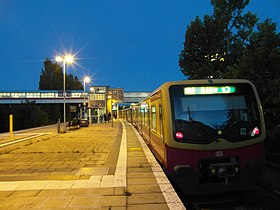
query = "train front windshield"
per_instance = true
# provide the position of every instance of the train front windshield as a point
(202, 114)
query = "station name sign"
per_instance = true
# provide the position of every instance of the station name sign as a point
(208, 90)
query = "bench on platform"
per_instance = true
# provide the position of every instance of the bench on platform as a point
(73, 124)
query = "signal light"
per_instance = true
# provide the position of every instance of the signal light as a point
(179, 135)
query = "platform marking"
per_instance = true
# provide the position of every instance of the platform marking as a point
(26, 134)
(120, 173)
(135, 149)
(171, 197)
(23, 139)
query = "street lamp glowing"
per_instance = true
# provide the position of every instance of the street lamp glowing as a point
(58, 59)
(87, 79)
(69, 59)
(64, 59)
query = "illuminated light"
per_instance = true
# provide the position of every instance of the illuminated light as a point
(58, 58)
(87, 79)
(69, 59)
(189, 91)
(144, 105)
(255, 131)
(209, 90)
(179, 135)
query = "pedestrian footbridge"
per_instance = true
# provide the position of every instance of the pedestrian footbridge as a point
(71, 97)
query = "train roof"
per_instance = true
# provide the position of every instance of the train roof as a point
(202, 82)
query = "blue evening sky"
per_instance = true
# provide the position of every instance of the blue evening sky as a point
(132, 44)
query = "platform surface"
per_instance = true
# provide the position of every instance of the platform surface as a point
(103, 166)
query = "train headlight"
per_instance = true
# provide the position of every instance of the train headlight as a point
(256, 131)
(179, 135)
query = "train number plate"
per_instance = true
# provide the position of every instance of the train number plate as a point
(219, 153)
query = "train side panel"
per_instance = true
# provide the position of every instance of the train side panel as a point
(156, 125)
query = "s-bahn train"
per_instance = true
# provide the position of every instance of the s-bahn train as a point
(208, 135)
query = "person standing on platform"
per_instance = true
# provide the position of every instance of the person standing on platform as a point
(109, 116)
(105, 117)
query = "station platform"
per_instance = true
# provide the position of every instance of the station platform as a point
(103, 166)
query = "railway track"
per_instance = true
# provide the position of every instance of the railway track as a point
(258, 199)
(265, 196)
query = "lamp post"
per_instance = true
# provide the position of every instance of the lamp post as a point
(93, 91)
(86, 80)
(64, 59)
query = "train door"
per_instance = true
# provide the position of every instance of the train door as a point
(135, 117)
(146, 121)
(161, 122)
(130, 116)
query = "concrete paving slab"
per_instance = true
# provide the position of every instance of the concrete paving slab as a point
(146, 198)
(144, 188)
(55, 202)
(116, 201)
(84, 202)
(26, 202)
(148, 206)
(93, 171)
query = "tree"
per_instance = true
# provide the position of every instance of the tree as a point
(203, 49)
(51, 78)
(26, 115)
(5, 110)
(260, 63)
(213, 46)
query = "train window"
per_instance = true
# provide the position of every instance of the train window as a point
(205, 117)
(154, 118)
